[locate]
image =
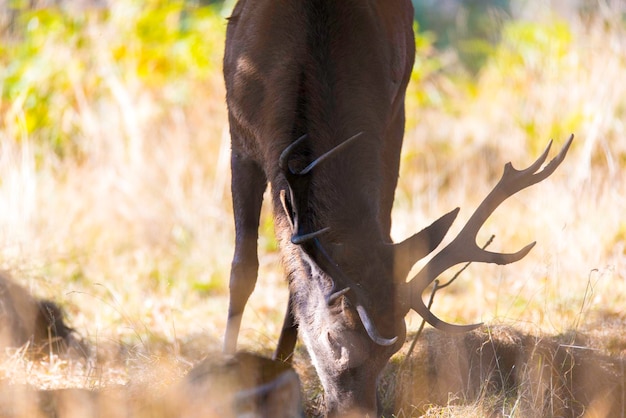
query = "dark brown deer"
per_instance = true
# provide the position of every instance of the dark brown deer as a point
(315, 92)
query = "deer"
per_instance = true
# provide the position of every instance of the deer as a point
(315, 91)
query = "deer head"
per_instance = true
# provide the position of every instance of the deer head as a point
(356, 290)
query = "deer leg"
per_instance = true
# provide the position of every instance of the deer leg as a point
(248, 184)
(288, 335)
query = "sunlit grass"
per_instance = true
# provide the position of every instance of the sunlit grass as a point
(114, 177)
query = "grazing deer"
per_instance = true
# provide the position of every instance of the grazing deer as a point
(315, 93)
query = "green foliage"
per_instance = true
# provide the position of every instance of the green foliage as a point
(424, 89)
(161, 41)
(427, 64)
(470, 28)
(55, 62)
(474, 52)
(534, 54)
(533, 46)
(522, 71)
(34, 74)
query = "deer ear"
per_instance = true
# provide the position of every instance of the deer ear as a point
(418, 246)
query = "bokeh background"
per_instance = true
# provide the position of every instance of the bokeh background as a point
(114, 170)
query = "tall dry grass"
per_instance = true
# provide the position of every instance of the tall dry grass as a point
(133, 233)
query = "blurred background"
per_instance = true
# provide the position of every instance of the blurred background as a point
(114, 164)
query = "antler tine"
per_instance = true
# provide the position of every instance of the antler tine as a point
(424, 312)
(556, 161)
(330, 153)
(334, 296)
(299, 239)
(283, 160)
(463, 248)
(511, 182)
(298, 181)
(330, 267)
(372, 332)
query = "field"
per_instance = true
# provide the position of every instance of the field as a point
(115, 200)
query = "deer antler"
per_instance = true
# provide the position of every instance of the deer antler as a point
(298, 182)
(295, 207)
(464, 248)
(328, 265)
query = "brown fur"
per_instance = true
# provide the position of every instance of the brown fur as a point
(25, 319)
(301, 78)
(328, 69)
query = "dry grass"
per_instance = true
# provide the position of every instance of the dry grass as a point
(134, 239)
